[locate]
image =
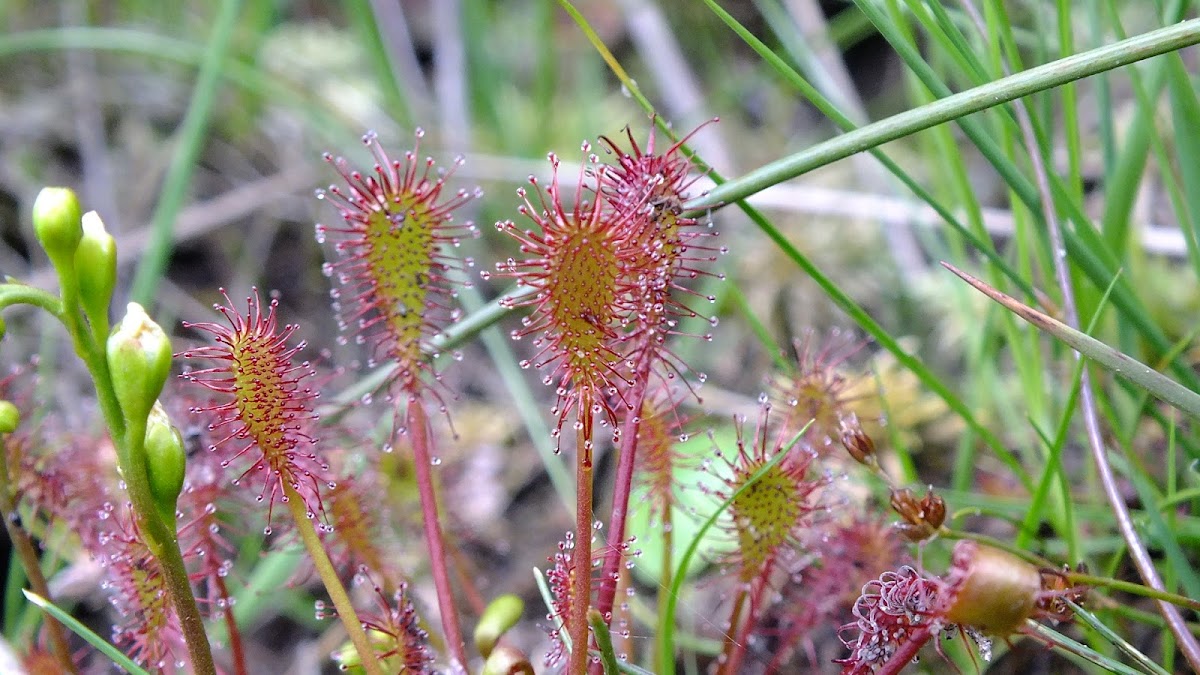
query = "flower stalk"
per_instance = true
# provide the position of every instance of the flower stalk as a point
(268, 417)
(581, 581)
(329, 577)
(423, 460)
(394, 268)
(622, 489)
(59, 228)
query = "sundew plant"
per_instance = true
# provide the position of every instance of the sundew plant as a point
(602, 337)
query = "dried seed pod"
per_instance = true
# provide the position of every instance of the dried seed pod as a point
(922, 518)
(856, 441)
(933, 509)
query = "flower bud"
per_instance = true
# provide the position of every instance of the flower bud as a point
(96, 270)
(500, 615)
(10, 417)
(166, 460)
(56, 222)
(991, 590)
(856, 441)
(507, 660)
(139, 362)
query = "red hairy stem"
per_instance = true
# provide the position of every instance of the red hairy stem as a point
(581, 581)
(730, 650)
(626, 462)
(741, 635)
(235, 636)
(906, 652)
(418, 429)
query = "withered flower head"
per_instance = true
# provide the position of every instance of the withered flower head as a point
(922, 518)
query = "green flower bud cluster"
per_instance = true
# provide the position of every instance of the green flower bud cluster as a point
(82, 252)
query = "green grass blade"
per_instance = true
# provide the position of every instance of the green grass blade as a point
(183, 161)
(1078, 649)
(365, 25)
(13, 606)
(1120, 643)
(1054, 465)
(1185, 114)
(1084, 245)
(1166, 536)
(953, 107)
(666, 625)
(608, 658)
(843, 121)
(1119, 364)
(106, 648)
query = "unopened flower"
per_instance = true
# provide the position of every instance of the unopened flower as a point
(498, 617)
(10, 417)
(507, 660)
(393, 265)
(57, 225)
(856, 441)
(166, 463)
(268, 412)
(96, 270)
(139, 362)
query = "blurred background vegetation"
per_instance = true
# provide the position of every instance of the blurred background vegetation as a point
(197, 131)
